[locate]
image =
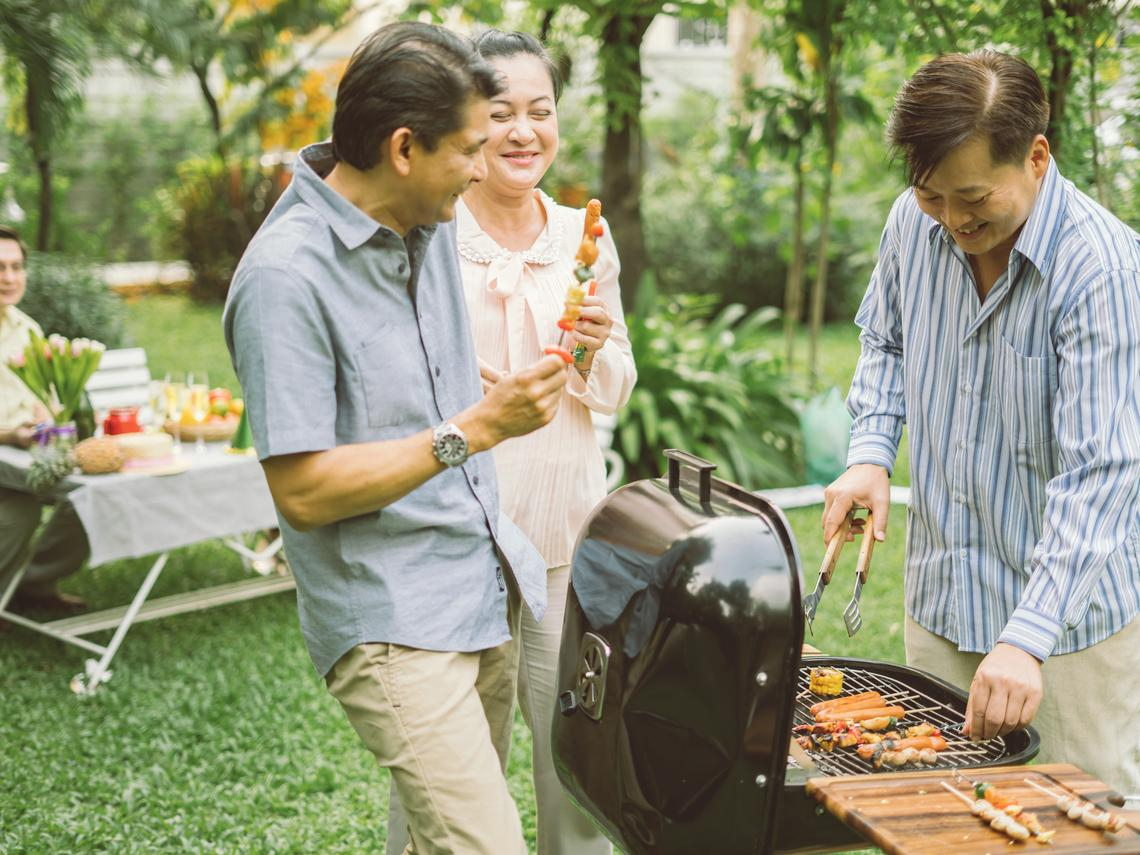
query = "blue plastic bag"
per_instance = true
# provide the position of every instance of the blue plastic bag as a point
(826, 428)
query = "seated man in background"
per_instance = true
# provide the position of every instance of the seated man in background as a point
(62, 546)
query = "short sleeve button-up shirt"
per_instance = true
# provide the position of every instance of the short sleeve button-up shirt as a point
(343, 332)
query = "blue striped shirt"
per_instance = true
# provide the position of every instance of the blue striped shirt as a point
(1023, 414)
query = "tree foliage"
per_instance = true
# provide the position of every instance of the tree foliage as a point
(248, 47)
(47, 49)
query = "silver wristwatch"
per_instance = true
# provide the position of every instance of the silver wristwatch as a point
(449, 445)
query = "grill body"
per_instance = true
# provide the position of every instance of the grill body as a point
(680, 649)
(680, 669)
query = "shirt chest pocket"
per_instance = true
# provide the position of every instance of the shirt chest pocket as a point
(1024, 389)
(393, 379)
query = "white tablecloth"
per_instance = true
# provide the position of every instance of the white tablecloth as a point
(129, 515)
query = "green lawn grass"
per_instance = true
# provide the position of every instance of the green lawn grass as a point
(215, 734)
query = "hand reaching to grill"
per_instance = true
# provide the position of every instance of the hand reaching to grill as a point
(1005, 693)
(864, 485)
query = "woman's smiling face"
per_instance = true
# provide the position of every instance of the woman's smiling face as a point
(981, 204)
(524, 126)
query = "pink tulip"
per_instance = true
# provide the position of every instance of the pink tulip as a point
(18, 361)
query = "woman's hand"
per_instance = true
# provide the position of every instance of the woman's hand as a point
(593, 327)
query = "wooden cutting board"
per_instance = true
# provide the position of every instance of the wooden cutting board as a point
(909, 813)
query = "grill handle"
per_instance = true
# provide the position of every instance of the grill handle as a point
(702, 467)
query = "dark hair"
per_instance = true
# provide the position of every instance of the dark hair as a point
(496, 43)
(407, 75)
(9, 233)
(958, 96)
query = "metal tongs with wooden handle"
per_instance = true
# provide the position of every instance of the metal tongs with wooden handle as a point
(830, 559)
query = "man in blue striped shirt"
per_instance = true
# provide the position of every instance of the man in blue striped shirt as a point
(1002, 325)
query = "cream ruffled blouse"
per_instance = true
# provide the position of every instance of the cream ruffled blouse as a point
(550, 479)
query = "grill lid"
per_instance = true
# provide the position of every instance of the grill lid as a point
(679, 661)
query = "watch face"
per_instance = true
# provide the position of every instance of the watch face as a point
(451, 447)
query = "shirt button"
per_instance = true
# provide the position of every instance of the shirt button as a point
(437, 371)
(965, 388)
(401, 268)
(475, 480)
(961, 443)
(963, 554)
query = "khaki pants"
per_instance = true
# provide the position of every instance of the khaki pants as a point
(562, 828)
(441, 722)
(1091, 707)
(60, 550)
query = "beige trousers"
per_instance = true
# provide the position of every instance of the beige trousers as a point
(562, 828)
(1091, 707)
(441, 723)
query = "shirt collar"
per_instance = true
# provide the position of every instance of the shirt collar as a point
(1037, 240)
(351, 225)
(478, 246)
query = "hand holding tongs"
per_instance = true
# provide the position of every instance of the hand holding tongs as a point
(830, 559)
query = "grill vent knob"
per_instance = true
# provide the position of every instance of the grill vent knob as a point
(567, 703)
(590, 685)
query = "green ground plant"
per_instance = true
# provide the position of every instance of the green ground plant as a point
(67, 296)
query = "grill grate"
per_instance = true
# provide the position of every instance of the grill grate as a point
(946, 717)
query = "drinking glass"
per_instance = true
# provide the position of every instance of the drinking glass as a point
(174, 393)
(199, 386)
(156, 404)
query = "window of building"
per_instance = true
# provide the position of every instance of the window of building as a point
(702, 32)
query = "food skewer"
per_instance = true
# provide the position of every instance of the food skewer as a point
(584, 282)
(998, 820)
(1079, 809)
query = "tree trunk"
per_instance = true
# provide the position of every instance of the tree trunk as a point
(819, 288)
(794, 286)
(202, 73)
(1061, 68)
(1099, 183)
(43, 231)
(41, 152)
(622, 151)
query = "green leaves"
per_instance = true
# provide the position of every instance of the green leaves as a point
(706, 386)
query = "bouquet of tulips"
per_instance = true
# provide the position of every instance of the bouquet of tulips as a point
(56, 370)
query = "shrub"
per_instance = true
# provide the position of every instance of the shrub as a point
(212, 213)
(705, 386)
(68, 297)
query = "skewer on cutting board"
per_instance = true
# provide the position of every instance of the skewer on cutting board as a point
(1079, 809)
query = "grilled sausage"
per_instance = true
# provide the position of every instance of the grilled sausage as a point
(864, 704)
(842, 702)
(860, 714)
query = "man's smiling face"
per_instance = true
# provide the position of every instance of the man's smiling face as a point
(982, 204)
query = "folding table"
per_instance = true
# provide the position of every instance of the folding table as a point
(131, 515)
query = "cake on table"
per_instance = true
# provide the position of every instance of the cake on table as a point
(146, 451)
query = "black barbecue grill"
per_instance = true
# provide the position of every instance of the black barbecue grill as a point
(680, 676)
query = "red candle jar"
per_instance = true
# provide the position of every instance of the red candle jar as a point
(122, 420)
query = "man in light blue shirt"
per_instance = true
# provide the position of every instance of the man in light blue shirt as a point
(1002, 325)
(348, 329)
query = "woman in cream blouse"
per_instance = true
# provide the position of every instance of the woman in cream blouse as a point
(516, 248)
